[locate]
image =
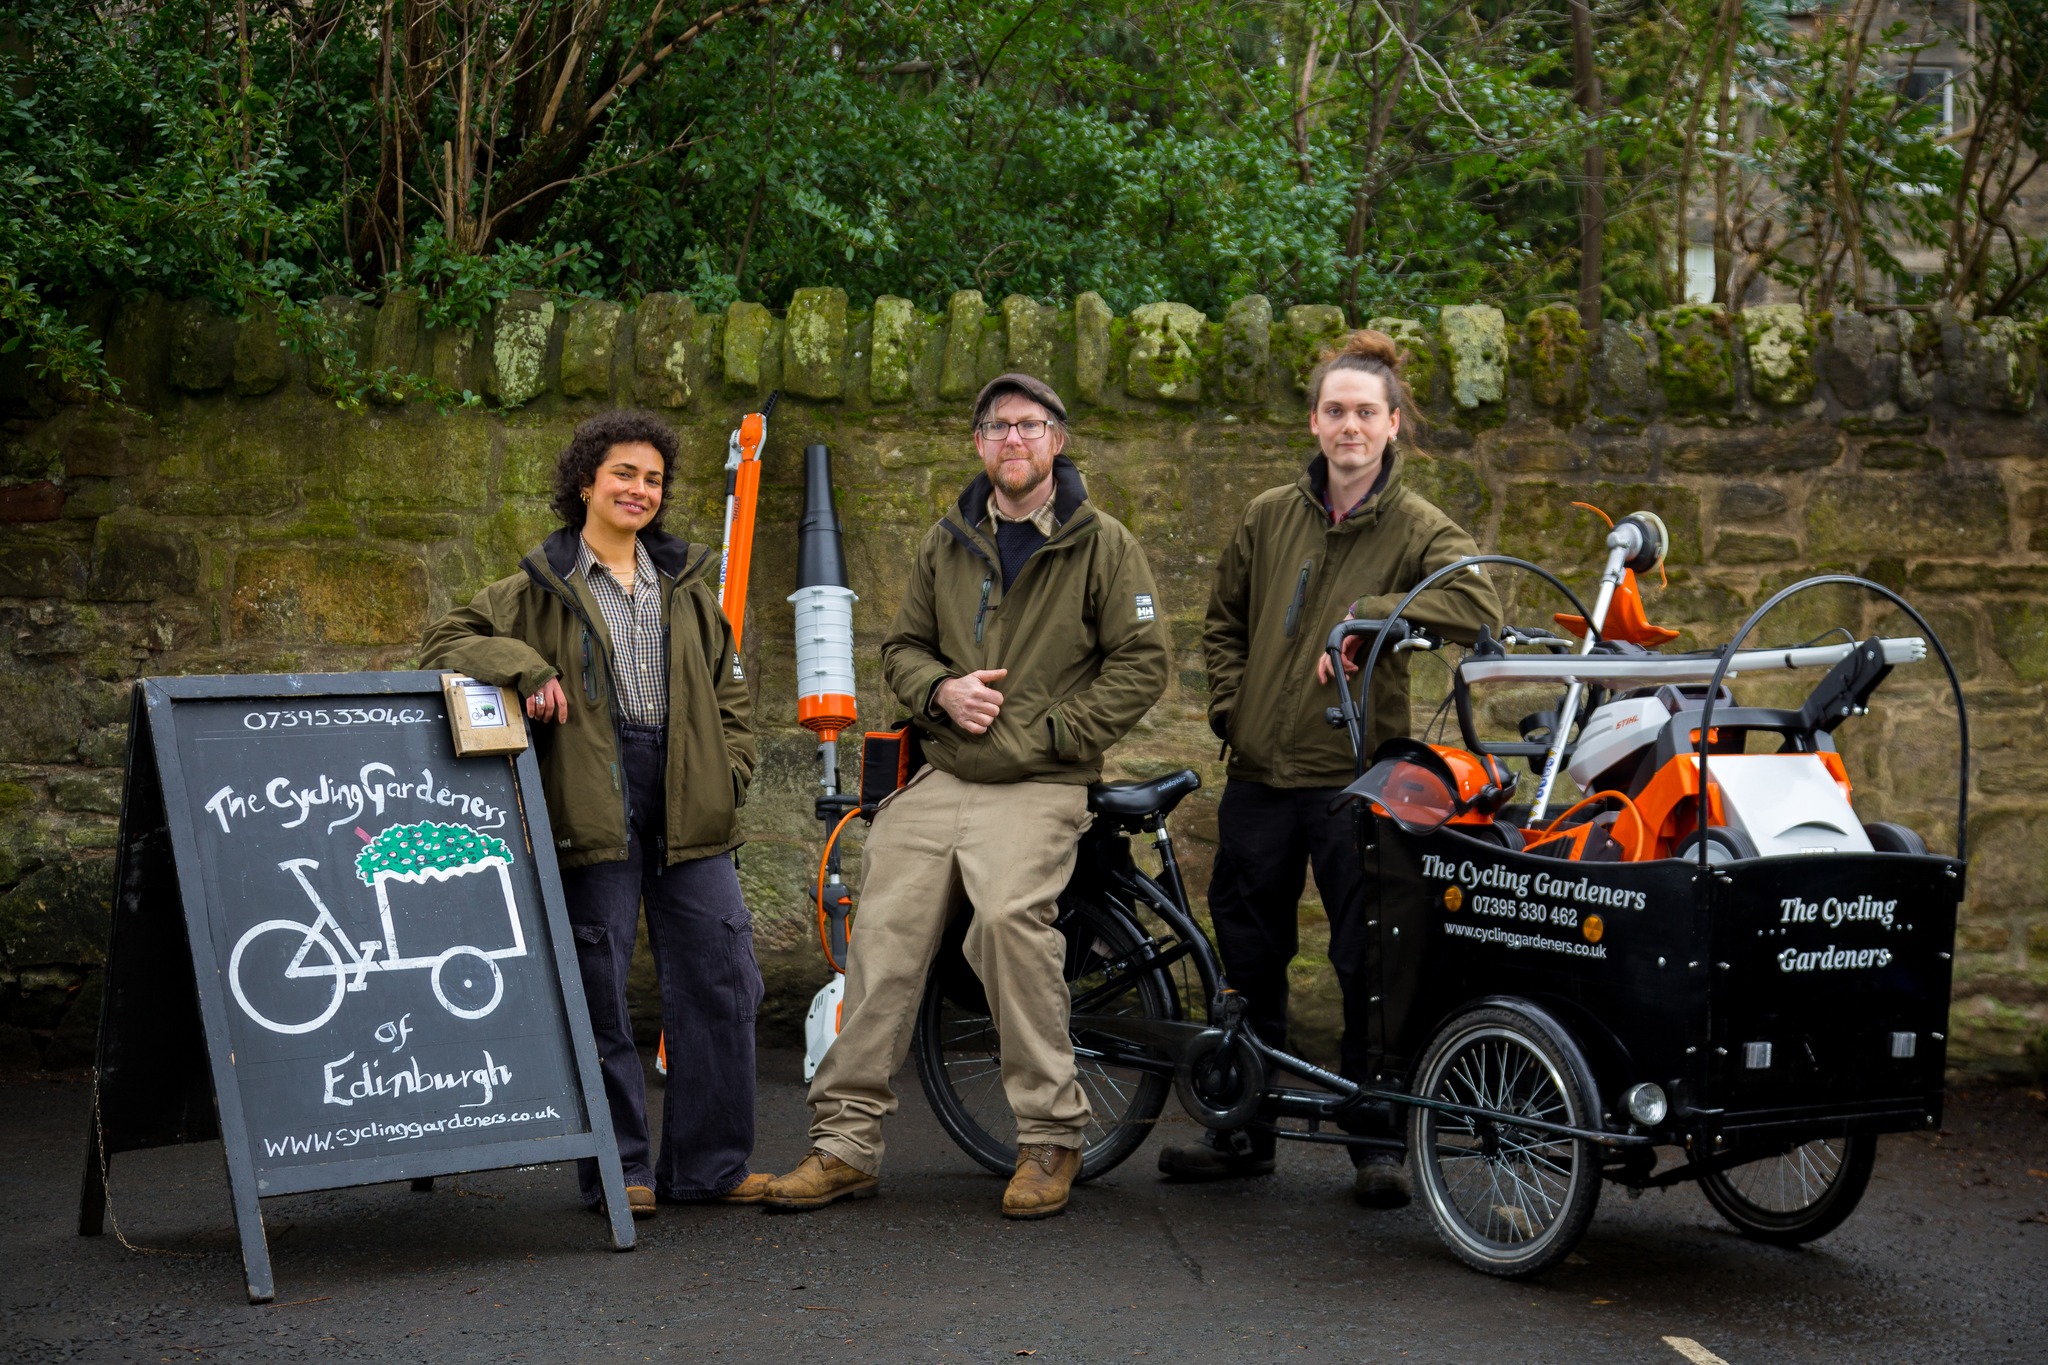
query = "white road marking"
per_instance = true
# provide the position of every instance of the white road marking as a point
(1693, 1351)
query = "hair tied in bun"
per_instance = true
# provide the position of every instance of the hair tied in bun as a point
(1366, 349)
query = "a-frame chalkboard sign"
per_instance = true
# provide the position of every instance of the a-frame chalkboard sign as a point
(339, 948)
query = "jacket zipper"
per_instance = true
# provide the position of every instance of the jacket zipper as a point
(1300, 595)
(981, 612)
(612, 690)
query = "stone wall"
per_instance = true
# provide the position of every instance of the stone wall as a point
(231, 517)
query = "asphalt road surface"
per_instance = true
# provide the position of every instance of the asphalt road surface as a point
(1947, 1259)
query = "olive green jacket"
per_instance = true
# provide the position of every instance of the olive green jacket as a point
(542, 623)
(1285, 580)
(1080, 631)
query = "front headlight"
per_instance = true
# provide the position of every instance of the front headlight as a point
(1646, 1103)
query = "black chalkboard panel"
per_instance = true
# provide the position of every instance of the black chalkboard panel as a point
(374, 932)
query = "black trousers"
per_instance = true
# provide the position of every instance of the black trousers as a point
(1269, 839)
(703, 944)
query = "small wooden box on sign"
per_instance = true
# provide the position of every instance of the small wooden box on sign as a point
(485, 718)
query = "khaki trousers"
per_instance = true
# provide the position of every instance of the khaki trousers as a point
(1007, 849)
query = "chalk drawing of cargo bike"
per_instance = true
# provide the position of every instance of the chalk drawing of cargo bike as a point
(467, 981)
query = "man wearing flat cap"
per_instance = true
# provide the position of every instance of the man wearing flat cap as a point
(1030, 639)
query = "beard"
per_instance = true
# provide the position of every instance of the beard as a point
(1018, 480)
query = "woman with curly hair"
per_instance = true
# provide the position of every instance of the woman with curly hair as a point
(611, 630)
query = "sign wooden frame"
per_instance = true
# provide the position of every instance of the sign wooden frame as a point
(166, 1065)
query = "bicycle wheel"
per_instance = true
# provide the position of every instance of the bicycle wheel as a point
(312, 994)
(1509, 1201)
(1793, 1197)
(959, 1057)
(467, 983)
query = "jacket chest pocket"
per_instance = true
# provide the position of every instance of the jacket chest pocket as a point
(1300, 597)
(589, 669)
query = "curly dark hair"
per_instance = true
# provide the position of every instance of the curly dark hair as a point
(576, 468)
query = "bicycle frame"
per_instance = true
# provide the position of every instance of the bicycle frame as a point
(361, 963)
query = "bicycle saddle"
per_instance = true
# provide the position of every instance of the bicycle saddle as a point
(1129, 799)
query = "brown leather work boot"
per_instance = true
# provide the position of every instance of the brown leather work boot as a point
(752, 1190)
(1045, 1174)
(820, 1179)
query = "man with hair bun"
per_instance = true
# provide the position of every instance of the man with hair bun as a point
(1346, 539)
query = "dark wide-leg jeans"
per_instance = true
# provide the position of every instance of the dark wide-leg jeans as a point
(703, 944)
(1269, 838)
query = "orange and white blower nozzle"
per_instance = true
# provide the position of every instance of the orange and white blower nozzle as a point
(824, 619)
(825, 706)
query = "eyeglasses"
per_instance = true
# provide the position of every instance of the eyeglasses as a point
(1029, 430)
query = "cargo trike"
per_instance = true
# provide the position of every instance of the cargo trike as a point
(1704, 968)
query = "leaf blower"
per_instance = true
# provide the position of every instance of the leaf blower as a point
(825, 706)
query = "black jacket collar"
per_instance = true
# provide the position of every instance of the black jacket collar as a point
(671, 554)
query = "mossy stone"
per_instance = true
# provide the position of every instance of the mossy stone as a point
(1858, 355)
(134, 559)
(416, 459)
(590, 344)
(94, 792)
(1092, 320)
(1994, 363)
(453, 359)
(664, 329)
(960, 371)
(1894, 453)
(1310, 327)
(262, 360)
(1247, 349)
(511, 531)
(893, 349)
(139, 350)
(1030, 336)
(202, 347)
(1554, 342)
(328, 596)
(1750, 502)
(1453, 485)
(748, 327)
(991, 353)
(1421, 367)
(1754, 547)
(2019, 632)
(1539, 453)
(814, 344)
(45, 715)
(1780, 348)
(37, 565)
(1695, 356)
(1164, 362)
(1855, 514)
(1621, 371)
(1475, 342)
(521, 327)
(1753, 450)
(58, 914)
(395, 351)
